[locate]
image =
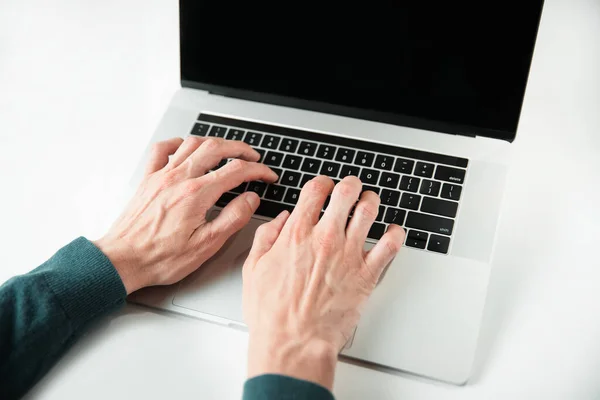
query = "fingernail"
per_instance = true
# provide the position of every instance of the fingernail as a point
(253, 199)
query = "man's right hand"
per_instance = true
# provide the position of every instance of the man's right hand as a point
(305, 280)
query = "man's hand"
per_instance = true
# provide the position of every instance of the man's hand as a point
(163, 235)
(305, 280)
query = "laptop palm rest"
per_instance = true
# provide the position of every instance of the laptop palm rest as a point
(216, 288)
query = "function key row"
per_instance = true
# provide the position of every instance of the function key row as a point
(329, 152)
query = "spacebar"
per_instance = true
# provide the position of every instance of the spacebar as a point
(272, 209)
(429, 223)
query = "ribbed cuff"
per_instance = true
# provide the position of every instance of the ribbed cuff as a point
(280, 387)
(85, 282)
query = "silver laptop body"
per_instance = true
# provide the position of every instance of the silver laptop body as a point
(425, 314)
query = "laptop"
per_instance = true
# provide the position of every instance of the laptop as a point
(420, 102)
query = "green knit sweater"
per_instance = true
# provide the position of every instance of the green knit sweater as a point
(44, 312)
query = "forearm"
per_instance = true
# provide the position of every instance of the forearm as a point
(45, 311)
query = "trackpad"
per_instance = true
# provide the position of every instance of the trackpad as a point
(216, 287)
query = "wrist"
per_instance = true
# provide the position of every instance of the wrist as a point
(121, 261)
(312, 360)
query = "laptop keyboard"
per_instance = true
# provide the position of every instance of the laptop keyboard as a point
(419, 191)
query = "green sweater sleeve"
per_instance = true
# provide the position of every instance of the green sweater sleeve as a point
(42, 313)
(278, 387)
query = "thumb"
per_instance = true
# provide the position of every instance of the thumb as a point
(265, 237)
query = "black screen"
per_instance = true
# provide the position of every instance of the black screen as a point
(451, 66)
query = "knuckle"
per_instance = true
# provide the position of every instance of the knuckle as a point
(367, 210)
(328, 239)
(393, 246)
(237, 165)
(319, 185)
(193, 140)
(169, 179)
(346, 188)
(211, 144)
(190, 187)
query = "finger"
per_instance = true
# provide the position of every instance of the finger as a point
(364, 215)
(235, 215)
(189, 145)
(234, 174)
(311, 201)
(384, 251)
(266, 236)
(343, 198)
(212, 151)
(159, 156)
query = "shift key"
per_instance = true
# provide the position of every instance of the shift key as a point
(429, 223)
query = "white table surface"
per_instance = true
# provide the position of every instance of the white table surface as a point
(82, 87)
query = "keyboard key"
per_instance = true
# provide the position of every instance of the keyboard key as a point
(416, 239)
(377, 230)
(431, 188)
(330, 169)
(235, 134)
(394, 216)
(273, 158)
(364, 159)
(288, 145)
(292, 162)
(439, 244)
(389, 179)
(253, 138)
(417, 235)
(344, 155)
(390, 197)
(410, 184)
(270, 142)
(225, 199)
(311, 165)
(449, 174)
(217, 131)
(306, 178)
(258, 187)
(348, 170)
(384, 162)
(262, 154)
(275, 192)
(307, 149)
(439, 207)
(424, 169)
(272, 209)
(380, 214)
(410, 201)
(419, 244)
(326, 151)
(429, 223)
(369, 176)
(371, 188)
(451, 192)
(404, 166)
(200, 129)
(290, 178)
(292, 196)
(240, 189)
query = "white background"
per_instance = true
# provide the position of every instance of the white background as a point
(82, 87)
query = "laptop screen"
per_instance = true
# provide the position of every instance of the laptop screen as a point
(456, 67)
